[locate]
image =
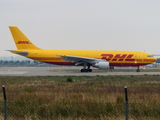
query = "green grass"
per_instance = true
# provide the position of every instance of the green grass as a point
(81, 97)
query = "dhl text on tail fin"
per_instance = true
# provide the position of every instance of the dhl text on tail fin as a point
(21, 41)
(85, 58)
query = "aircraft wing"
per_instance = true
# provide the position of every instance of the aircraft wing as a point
(79, 60)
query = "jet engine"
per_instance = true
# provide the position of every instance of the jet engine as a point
(102, 65)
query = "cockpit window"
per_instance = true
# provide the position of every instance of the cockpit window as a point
(149, 56)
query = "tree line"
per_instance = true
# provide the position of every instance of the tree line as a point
(22, 63)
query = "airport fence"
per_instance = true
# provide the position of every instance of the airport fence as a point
(28, 108)
(34, 111)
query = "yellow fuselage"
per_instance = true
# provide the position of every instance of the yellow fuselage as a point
(115, 58)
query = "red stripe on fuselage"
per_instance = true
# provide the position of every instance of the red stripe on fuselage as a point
(111, 64)
(62, 63)
(45, 58)
(149, 60)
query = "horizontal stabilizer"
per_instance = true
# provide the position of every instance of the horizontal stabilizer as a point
(19, 52)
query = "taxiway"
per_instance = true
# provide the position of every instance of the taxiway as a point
(60, 71)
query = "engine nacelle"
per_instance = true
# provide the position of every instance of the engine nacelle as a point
(101, 65)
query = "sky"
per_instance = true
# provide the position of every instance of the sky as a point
(130, 25)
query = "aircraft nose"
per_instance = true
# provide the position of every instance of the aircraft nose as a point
(155, 59)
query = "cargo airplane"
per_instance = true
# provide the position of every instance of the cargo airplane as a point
(85, 58)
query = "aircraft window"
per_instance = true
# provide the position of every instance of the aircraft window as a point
(149, 56)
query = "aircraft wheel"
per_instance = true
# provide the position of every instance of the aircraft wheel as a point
(89, 70)
(82, 70)
(86, 70)
(138, 70)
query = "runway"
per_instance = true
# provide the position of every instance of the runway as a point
(60, 71)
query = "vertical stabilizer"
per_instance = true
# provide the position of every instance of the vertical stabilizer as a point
(21, 41)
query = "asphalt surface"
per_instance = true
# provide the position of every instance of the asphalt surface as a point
(60, 71)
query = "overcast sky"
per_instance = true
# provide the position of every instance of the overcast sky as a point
(132, 25)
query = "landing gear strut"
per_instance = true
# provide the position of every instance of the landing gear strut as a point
(138, 70)
(84, 68)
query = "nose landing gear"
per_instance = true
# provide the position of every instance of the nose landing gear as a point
(138, 70)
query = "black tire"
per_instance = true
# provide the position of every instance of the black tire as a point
(138, 70)
(89, 70)
(82, 70)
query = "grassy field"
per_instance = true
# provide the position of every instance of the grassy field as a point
(81, 97)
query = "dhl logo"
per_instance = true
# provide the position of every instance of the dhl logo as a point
(23, 42)
(119, 57)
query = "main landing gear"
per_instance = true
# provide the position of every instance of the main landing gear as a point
(84, 68)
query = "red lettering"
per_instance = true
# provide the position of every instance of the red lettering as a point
(107, 56)
(23, 42)
(129, 57)
(117, 56)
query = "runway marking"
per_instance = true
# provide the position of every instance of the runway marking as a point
(12, 72)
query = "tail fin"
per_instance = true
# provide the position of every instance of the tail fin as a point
(21, 41)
